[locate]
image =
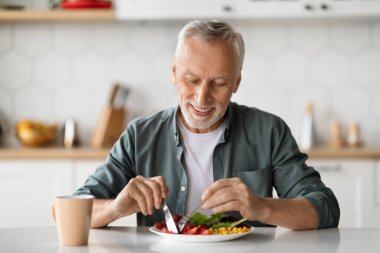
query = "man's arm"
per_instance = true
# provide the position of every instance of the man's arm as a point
(139, 195)
(232, 194)
(296, 214)
(102, 213)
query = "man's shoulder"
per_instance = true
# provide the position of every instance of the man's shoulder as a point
(157, 119)
(253, 115)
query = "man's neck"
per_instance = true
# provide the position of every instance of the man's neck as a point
(198, 130)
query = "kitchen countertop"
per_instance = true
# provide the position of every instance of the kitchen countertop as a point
(344, 153)
(100, 154)
(140, 239)
(53, 153)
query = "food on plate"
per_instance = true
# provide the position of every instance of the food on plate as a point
(201, 224)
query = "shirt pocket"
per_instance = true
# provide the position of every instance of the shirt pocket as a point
(259, 181)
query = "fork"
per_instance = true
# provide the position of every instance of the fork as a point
(182, 222)
(235, 223)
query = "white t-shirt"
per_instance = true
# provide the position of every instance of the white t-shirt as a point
(198, 151)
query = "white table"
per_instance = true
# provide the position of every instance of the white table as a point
(140, 239)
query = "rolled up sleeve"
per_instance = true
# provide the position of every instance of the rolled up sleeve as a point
(293, 178)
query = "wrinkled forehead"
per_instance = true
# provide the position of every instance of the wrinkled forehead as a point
(199, 46)
(214, 58)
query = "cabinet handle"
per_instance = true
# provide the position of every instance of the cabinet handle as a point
(329, 168)
(309, 7)
(227, 8)
(325, 7)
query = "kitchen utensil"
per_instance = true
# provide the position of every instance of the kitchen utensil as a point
(112, 120)
(169, 219)
(308, 128)
(120, 97)
(336, 140)
(69, 138)
(182, 222)
(353, 138)
(235, 223)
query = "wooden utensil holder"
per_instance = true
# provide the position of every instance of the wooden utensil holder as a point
(109, 127)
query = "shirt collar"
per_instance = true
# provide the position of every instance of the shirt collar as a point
(176, 132)
(174, 127)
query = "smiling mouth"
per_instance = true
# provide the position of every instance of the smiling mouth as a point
(202, 110)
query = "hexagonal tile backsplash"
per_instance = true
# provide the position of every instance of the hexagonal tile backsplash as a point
(51, 71)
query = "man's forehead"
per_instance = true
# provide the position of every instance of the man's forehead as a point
(189, 73)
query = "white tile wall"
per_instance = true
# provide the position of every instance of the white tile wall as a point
(5, 35)
(32, 38)
(50, 71)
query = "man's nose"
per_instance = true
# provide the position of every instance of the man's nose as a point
(203, 94)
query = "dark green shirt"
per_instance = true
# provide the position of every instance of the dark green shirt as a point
(256, 146)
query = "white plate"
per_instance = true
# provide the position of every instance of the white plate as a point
(199, 238)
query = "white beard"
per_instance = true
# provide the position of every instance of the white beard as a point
(202, 122)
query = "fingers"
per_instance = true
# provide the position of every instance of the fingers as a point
(157, 196)
(227, 195)
(218, 185)
(148, 192)
(145, 198)
(161, 182)
(220, 197)
(228, 206)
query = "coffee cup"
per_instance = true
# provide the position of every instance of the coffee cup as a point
(72, 214)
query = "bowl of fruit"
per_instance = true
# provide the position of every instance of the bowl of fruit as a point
(35, 134)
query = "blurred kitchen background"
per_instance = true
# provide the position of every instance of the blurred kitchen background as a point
(297, 51)
(50, 71)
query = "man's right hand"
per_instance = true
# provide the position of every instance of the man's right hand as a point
(140, 195)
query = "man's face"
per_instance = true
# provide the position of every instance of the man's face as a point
(206, 75)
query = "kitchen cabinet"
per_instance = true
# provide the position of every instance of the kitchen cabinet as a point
(376, 211)
(199, 9)
(83, 169)
(27, 188)
(351, 8)
(244, 9)
(353, 183)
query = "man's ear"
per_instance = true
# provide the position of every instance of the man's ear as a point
(237, 83)
(173, 71)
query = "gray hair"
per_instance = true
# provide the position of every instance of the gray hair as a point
(210, 31)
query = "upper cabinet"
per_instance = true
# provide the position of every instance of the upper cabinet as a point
(205, 9)
(244, 9)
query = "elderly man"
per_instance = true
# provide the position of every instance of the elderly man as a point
(209, 150)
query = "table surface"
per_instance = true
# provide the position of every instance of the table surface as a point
(140, 239)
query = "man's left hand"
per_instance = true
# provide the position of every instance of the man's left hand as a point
(232, 194)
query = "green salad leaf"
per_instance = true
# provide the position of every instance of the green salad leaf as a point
(221, 225)
(202, 219)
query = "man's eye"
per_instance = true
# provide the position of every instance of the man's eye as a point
(217, 85)
(193, 81)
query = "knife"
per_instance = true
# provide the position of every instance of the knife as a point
(170, 224)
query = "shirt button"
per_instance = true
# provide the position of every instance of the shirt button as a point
(183, 188)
